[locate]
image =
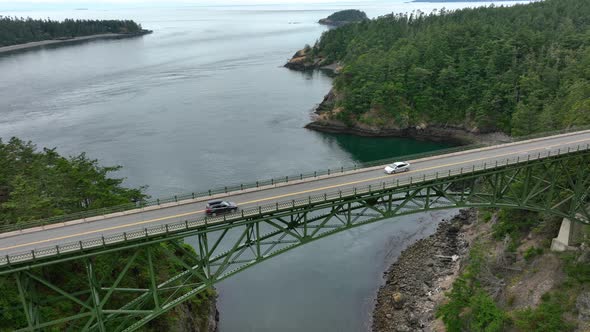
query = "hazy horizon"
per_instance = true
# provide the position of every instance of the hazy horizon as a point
(6, 5)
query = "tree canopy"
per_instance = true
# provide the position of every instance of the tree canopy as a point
(347, 15)
(40, 184)
(15, 30)
(518, 69)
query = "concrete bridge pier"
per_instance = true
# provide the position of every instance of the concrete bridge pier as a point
(570, 235)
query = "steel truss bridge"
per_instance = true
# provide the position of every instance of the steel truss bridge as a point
(553, 180)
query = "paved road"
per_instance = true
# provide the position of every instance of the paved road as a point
(195, 208)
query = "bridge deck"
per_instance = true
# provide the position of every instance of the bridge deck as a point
(124, 222)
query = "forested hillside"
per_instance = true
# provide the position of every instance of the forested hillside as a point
(518, 69)
(15, 31)
(38, 184)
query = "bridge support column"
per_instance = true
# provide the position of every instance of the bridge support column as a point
(570, 235)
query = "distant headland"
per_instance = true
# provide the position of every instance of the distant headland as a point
(463, 0)
(18, 34)
(344, 17)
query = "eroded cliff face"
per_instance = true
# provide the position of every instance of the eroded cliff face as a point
(196, 315)
(302, 61)
(196, 318)
(331, 118)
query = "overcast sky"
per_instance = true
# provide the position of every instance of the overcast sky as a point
(12, 5)
(101, 2)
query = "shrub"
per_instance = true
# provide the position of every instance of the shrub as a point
(459, 299)
(579, 272)
(486, 215)
(548, 317)
(514, 223)
(531, 252)
(471, 309)
(485, 315)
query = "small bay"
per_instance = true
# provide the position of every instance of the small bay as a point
(204, 102)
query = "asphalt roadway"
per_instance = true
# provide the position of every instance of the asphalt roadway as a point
(36, 238)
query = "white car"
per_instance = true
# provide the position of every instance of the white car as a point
(400, 166)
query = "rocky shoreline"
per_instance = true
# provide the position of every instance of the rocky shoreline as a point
(438, 134)
(325, 121)
(301, 61)
(416, 282)
(59, 42)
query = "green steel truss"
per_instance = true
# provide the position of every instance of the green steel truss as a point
(555, 184)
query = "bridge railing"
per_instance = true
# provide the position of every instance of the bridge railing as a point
(223, 190)
(260, 183)
(176, 227)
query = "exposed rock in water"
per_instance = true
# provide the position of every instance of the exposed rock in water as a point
(417, 281)
(303, 61)
(327, 104)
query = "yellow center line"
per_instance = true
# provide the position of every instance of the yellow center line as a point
(274, 197)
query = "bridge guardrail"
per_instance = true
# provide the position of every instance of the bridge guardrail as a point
(148, 232)
(259, 183)
(222, 190)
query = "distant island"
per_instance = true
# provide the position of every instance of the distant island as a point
(344, 17)
(19, 34)
(464, 0)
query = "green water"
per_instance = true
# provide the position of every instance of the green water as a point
(367, 149)
(204, 102)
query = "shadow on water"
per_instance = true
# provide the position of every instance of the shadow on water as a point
(366, 149)
(71, 42)
(312, 73)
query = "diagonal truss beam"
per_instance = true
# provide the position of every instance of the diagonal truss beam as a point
(549, 185)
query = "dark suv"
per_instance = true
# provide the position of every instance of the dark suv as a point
(220, 206)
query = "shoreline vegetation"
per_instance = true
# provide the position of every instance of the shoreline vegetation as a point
(36, 184)
(488, 270)
(69, 41)
(19, 34)
(476, 75)
(463, 76)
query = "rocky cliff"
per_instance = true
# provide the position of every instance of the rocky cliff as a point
(328, 118)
